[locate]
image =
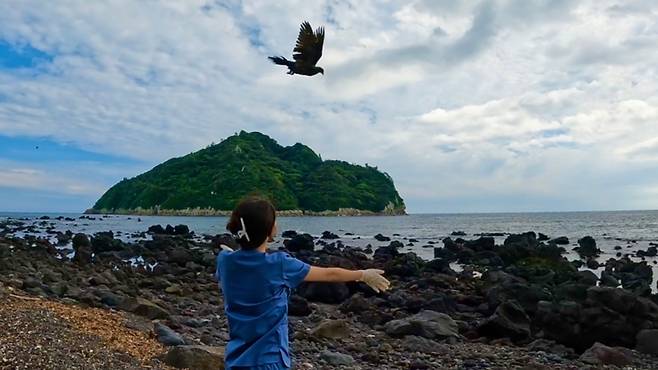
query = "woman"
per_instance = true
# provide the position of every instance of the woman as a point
(256, 286)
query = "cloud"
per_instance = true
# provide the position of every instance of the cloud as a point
(37, 179)
(469, 105)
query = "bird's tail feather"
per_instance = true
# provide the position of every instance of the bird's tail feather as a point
(281, 61)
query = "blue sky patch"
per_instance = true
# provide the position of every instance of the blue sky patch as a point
(13, 56)
(43, 150)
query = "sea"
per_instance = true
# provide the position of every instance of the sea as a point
(631, 230)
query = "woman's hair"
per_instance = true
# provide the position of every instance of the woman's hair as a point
(252, 221)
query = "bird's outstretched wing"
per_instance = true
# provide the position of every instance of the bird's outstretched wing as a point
(308, 48)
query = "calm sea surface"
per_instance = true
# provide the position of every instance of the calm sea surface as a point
(608, 228)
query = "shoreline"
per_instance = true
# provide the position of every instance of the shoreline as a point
(206, 212)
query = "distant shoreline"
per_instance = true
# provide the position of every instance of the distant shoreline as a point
(208, 212)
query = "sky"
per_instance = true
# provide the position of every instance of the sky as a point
(471, 106)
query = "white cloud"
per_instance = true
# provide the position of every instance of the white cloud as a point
(47, 180)
(456, 100)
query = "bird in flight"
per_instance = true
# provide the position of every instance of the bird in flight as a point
(306, 53)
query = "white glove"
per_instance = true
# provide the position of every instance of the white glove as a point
(375, 280)
(226, 248)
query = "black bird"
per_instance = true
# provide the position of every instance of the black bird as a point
(306, 53)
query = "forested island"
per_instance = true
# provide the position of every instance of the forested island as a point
(211, 181)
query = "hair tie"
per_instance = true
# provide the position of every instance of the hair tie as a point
(243, 233)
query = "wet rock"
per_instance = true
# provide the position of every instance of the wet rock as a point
(427, 324)
(289, 234)
(196, 357)
(509, 321)
(336, 358)
(303, 242)
(332, 329)
(562, 240)
(592, 264)
(329, 235)
(382, 238)
(650, 252)
(105, 242)
(167, 336)
(525, 240)
(225, 239)
(607, 279)
(181, 230)
(407, 264)
(647, 341)
(587, 277)
(156, 229)
(458, 233)
(600, 354)
(587, 248)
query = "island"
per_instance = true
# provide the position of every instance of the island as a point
(211, 181)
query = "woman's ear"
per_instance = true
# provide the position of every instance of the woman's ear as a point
(273, 233)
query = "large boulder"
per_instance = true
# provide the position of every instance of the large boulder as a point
(196, 357)
(587, 248)
(329, 235)
(105, 242)
(509, 321)
(647, 341)
(386, 253)
(407, 264)
(181, 230)
(303, 242)
(82, 248)
(143, 307)
(607, 315)
(156, 229)
(426, 324)
(525, 240)
(600, 354)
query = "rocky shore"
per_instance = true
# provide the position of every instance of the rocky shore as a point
(520, 304)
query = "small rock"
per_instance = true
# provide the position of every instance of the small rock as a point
(427, 324)
(167, 336)
(196, 357)
(335, 358)
(332, 329)
(382, 238)
(143, 307)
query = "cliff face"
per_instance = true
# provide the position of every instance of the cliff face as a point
(213, 179)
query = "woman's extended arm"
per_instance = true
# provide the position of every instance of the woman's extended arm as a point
(371, 277)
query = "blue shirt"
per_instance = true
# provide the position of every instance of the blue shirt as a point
(256, 287)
